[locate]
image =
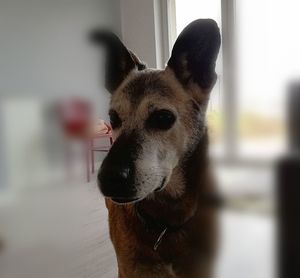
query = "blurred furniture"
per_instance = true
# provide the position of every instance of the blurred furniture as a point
(99, 132)
(288, 192)
(75, 116)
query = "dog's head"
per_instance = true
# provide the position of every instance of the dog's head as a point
(157, 116)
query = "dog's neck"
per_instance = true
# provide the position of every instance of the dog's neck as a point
(191, 172)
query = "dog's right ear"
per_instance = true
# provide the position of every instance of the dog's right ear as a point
(119, 60)
(194, 54)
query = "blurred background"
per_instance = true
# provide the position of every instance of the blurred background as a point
(54, 132)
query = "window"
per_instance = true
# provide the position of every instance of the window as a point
(247, 119)
(266, 62)
(187, 11)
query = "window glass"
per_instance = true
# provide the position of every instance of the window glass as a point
(268, 56)
(186, 12)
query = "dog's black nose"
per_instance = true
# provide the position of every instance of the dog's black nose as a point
(116, 181)
(116, 177)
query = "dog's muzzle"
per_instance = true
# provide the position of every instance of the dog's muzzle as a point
(116, 178)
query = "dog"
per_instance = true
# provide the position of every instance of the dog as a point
(156, 177)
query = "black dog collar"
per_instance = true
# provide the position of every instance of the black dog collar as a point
(153, 225)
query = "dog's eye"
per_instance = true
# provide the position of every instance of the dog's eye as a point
(161, 119)
(115, 120)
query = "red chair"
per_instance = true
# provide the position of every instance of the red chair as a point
(96, 135)
(75, 116)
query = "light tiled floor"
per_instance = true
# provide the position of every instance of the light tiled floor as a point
(67, 226)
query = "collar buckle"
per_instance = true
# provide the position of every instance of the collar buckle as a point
(159, 239)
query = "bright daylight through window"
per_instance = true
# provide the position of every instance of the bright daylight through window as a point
(264, 66)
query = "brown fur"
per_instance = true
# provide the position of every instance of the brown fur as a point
(142, 158)
(187, 253)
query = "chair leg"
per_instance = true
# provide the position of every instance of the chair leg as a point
(87, 159)
(92, 156)
(68, 159)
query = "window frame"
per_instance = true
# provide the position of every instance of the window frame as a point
(231, 155)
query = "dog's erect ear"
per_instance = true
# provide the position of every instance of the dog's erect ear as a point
(119, 60)
(195, 52)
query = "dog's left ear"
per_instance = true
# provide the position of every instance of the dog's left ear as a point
(120, 61)
(195, 52)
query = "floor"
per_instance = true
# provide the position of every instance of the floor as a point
(61, 231)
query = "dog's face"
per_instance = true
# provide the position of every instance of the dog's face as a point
(157, 116)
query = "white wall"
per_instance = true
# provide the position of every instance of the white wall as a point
(44, 51)
(143, 26)
(137, 21)
(44, 54)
